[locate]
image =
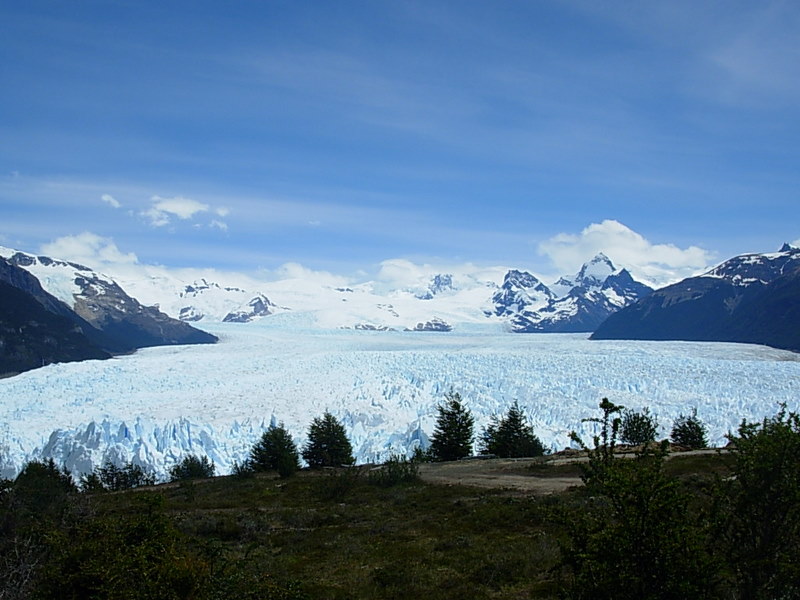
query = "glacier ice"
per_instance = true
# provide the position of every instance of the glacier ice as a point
(159, 404)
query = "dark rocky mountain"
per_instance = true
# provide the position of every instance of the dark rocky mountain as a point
(586, 300)
(259, 306)
(753, 298)
(435, 324)
(100, 320)
(37, 329)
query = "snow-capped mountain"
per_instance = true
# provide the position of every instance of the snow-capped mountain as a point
(259, 306)
(440, 283)
(121, 323)
(750, 298)
(580, 303)
(37, 329)
(512, 299)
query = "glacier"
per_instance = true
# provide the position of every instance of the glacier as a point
(157, 405)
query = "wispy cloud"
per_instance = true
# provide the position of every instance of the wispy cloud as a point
(110, 200)
(164, 209)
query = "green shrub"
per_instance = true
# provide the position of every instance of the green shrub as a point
(689, 431)
(192, 467)
(636, 539)
(638, 427)
(128, 476)
(758, 508)
(511, 436)
(394, 471)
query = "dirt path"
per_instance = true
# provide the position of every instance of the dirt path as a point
(502, 473)
(516, 473)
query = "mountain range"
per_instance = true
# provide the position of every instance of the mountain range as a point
(753, 298)
(56, 310)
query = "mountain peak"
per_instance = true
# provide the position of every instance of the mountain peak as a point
(788, 248)
(595, 271)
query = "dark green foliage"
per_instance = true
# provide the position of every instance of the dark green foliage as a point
(511, 436)
(192, 467)
(689, 431)
(136, 556)
(636, 540)
(759, 508)
(395, 471)
(453, 436)
(638, 427)
(40, 491)
(327, 444)
(275, 451)
(129, 476)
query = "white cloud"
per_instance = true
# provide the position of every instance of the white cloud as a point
(109, 199)
(88, 249)
(223, 211)
(221, 225)
(796, 243)
(402, 274)
(659, 264)
(293, 270)
(164, 209)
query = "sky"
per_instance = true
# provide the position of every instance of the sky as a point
(245, 136)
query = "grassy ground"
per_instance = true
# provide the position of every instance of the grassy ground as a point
(338, 536)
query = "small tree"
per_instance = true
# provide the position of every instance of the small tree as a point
(192, 467)
(689, 431)
(638, 428)
(511, 436)
(636, 539)
(129, 476)
(275, 451)
(327, 444)
(758, 508)
(453, 436)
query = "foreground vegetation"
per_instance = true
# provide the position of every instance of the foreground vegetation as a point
(705, 526)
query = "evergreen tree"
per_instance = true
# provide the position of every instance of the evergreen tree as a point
(638, 427)
(689, 431)
(453, 436)
(192, 467)
(275, 451)
(511, 436)
(327, 444)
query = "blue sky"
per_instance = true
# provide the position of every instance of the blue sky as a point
(244, 135)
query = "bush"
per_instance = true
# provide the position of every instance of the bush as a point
(327, 444)
(128, 476)
(689, 431)
(759, 508)
(394, 471)
(275, 451)
(192, 467)
(511, 436)
(453, 436)
(634, 540)
(638, 427)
